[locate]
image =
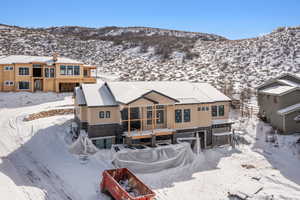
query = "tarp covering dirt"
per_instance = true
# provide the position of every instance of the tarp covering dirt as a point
(83, 145)
(154, 159)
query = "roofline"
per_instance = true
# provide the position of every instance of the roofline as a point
(281, 94)
(288, 112)
(209, 102)
(103, 106)
(143, 95)
(272, 80)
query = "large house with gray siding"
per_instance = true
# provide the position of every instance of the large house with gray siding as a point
(150, 112)
(279, 102)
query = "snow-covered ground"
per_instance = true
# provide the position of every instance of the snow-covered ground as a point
(35, 162)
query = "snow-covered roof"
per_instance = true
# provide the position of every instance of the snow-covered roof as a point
(98, 95)
(182, 91)
(29, 59)
(277, 90)
(281, 79)
(288, 82)
(289, 109)
(79, 96)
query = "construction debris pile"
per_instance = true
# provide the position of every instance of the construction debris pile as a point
(49, 113)
(129, 188)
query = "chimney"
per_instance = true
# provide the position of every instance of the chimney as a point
(55, 57)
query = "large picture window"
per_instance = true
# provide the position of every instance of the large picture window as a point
(23, 71)
(178, 116)
(70, 70)
(23, 85)
(187, 115)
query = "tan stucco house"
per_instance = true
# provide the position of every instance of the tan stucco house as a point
(41, 73)
(279, 102)
(149, 112)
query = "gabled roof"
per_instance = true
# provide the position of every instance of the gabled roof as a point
(39, 59)
(284, 85)
(289, 109)
(181, 92)
(79, 96)
(280, 79)
(98, 95)
(278, 90)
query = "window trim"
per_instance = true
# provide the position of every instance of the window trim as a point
(11, 83)
(25, 82)
(101, 114)
(69, 68)
(49, 72)
(218, 110)
(24, 74)
(187, 120)
(11, 68)
(107, 114)
(178, 111)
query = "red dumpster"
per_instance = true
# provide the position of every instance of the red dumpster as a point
(122, 184)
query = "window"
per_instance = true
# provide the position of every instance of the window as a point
(199, 109)
(178, 116)
(70, 70)
(63, 70)
(37, 65)
(85, 73)
(149, 115)
(275, 99)
(23, 85)
(187, 115)
(107, 114)
(101, 114)
(160, 116)
(214, 111)
(203, 108)
(217, 111)
(8, 68)
(221, 110)
(49, 72)
(76, 70)
(23, 71)
(8, 83)
(207, 108)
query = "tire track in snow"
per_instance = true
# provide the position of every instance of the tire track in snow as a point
(32, 171)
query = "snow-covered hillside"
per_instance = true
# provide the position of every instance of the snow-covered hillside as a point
(139, 53)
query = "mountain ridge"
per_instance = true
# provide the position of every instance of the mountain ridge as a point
(144, 53)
